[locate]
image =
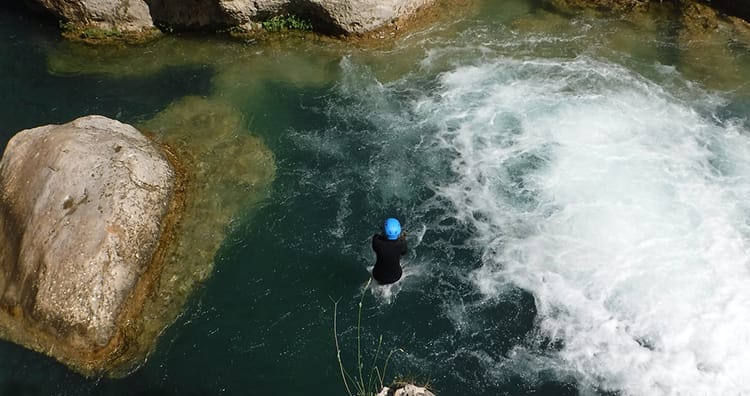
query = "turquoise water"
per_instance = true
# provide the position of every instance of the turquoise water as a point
(573, 191)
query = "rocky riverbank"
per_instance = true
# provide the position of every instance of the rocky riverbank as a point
(142, 19)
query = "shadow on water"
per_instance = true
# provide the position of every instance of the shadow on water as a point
(21, 389)
(33, 97)
(67, 98)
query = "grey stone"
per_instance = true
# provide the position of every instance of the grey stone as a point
(122, 15)
(82, 211)
(406, 390)
(334, 16)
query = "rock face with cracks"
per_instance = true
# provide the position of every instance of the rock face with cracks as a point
(83, 208)
(124, 15)
(328, 16)
(334, 16)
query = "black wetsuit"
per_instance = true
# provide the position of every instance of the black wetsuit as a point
(388, 265)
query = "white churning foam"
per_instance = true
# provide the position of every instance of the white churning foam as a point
(619, 206)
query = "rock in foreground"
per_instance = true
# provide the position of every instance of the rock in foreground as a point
(83, 209)
(406, 390)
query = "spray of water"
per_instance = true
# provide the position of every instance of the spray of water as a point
(618, 206)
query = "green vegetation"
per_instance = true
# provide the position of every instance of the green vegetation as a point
(95, 34)
(88, 32)
(362, 386)
(286, 22)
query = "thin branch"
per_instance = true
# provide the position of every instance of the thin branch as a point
(359, 336)
(373, 366)
(338, 350)
(385, 366)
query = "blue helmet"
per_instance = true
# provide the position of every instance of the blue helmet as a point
(392, 228)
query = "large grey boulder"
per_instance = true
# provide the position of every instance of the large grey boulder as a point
(336, 16)
(83, 209)
(328, 16)
(121, 15)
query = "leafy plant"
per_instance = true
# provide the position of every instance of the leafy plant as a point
(286, 22)
(362, 386)
(70, 29)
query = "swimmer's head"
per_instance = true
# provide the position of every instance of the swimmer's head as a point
(392, 228)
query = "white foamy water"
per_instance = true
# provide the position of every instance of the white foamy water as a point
(619, 206)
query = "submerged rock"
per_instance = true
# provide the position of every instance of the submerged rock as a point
(712, 43)
(228, 172)
(712, 47)
(84, 208)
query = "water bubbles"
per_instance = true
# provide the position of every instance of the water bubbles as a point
(596, 190)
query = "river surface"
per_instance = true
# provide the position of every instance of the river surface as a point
(574, 191)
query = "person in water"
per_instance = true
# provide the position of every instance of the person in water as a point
(389, 247)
